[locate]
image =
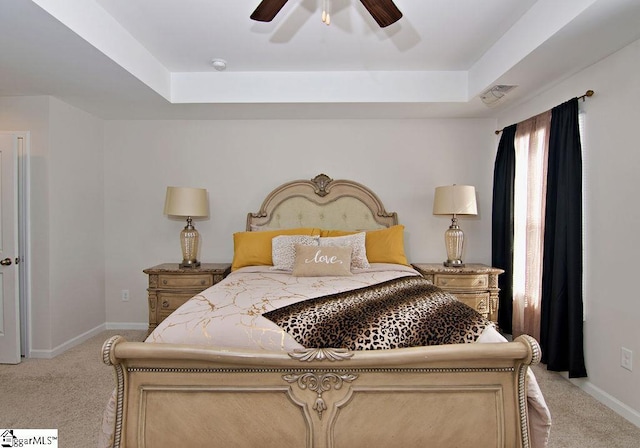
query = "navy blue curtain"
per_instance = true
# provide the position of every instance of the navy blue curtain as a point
(561, 337)
(502, 224)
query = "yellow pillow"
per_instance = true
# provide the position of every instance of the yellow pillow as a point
(386, 245)
(329, 233)
(383, 245)
(254, 248)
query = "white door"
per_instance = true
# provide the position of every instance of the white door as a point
(9, 308)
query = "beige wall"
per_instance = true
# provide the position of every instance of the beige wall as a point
(239, 162)
(611, 160)
(67, 219)
(76, 222)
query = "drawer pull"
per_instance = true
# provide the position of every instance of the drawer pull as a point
(165, 304)
(202, 282)
(164, 282)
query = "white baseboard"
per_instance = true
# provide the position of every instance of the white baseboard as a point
(48, 354)
(609, 401)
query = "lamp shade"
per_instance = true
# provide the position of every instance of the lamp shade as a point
(455, 200)
(186, 201)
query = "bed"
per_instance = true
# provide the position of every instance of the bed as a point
(236, 366)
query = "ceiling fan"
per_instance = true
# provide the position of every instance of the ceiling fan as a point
(385, 12)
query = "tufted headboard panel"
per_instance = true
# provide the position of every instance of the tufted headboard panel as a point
(323, 203)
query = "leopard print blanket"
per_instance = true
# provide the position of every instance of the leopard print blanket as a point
(403, 312)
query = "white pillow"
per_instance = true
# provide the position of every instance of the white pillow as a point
(283, 249)
(357, 244)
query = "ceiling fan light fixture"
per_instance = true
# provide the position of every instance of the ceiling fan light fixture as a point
(384, 12)
(326, 12)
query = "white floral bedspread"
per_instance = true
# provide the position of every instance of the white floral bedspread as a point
(229, 313)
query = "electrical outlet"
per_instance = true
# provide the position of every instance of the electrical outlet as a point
(124, 294)
(626, 359)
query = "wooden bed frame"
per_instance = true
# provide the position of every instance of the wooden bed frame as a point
(463, 395)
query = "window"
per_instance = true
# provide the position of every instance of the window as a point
(531, 145)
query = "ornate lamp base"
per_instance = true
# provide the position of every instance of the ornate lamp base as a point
(189, 264)
(189, 239)
(454, 240)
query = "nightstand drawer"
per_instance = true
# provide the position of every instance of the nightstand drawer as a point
(461, 281)
(201, 281)
(171, 301)
(478, 301)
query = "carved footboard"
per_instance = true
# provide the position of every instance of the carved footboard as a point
(467, 395)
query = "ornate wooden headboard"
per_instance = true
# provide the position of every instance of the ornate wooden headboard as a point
(323, 203)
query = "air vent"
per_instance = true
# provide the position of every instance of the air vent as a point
(494, 94)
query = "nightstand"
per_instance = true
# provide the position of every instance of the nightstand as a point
(475, 284)
(170, 286)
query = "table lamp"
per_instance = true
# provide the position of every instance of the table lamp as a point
(190, 203)
(454, 200)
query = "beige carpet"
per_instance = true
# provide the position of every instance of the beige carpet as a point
(70, 393)
(579, 420)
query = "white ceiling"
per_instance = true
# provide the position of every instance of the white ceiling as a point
(121, 59)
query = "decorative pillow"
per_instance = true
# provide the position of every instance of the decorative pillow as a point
(386, 245)
(254, 248)
(316, 261)
(333, 232)
(283, 249)
(357, 244)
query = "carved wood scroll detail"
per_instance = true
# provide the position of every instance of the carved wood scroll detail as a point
(321, 181)
(320, 354)
(319, 383)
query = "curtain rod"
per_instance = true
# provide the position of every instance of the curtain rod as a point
(588, 93)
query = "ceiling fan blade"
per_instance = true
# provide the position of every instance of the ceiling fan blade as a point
(385, 12)
(267, 10)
